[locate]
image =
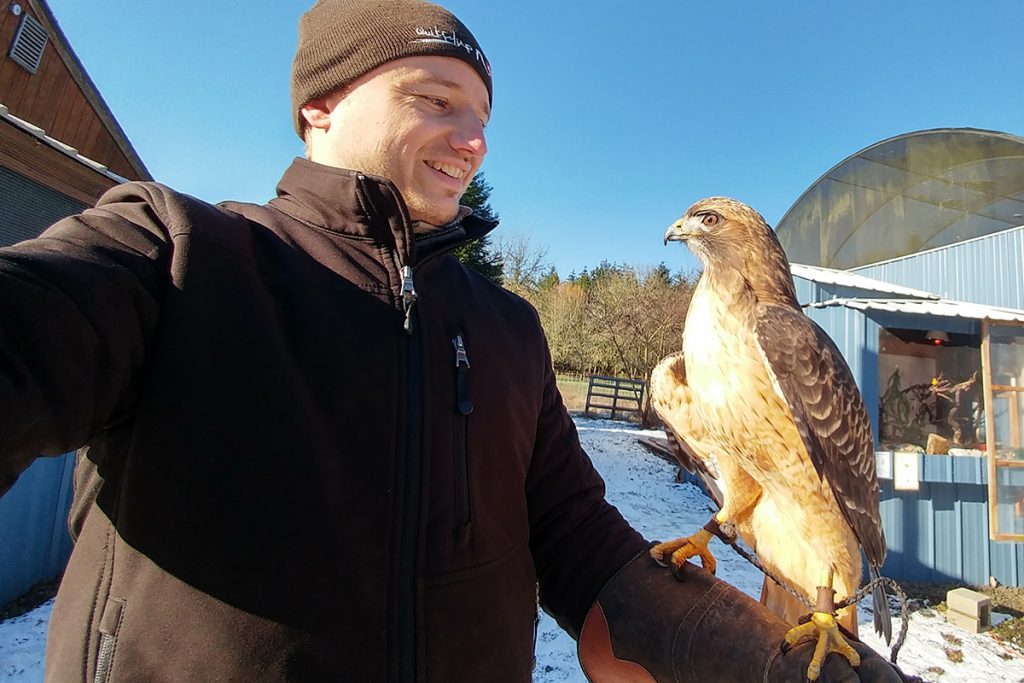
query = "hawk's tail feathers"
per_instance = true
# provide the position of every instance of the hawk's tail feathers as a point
(880, 607)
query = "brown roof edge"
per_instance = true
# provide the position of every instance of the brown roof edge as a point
(89, 88)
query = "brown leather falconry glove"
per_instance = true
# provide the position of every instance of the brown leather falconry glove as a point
(647, 627)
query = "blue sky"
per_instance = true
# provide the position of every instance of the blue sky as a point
(608, 122)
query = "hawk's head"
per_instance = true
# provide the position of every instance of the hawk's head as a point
(715, 220)
(726, 234)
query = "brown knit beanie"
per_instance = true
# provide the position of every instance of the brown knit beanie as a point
(340, 40)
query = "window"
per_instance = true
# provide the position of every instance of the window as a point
(1003, 353)
(930, 391)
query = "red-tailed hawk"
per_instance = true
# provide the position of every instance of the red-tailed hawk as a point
(762, 393)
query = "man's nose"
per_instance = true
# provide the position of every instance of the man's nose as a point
(469, 136)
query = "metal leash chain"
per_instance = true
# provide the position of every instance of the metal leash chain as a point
(904, 612)
(729, 537)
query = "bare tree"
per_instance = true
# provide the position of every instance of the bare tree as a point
(524, 263)
(563, 314)
(639, 315)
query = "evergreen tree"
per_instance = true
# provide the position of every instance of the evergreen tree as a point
(549, 280)
(660, 275)
(478, 255)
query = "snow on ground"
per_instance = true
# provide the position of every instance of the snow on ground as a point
(22, 642)
(643, 487)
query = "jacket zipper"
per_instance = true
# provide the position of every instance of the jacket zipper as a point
(409, 297)
(410, 492)
(464, 407)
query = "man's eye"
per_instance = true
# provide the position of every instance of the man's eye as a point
(436, 101)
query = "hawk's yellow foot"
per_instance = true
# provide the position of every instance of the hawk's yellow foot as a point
(683, 548)
(822, 627)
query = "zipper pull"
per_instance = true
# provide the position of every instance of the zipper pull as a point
(408, 297)
(462, 400)
(461, 359)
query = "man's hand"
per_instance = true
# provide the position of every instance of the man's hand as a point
(792, 666)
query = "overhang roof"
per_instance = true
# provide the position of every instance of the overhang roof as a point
(906, 194)
(842, 278)
(942, 308)
(68, 150)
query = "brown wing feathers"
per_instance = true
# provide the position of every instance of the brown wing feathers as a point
(830, 415)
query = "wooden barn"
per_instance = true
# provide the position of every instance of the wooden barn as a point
(60, 149)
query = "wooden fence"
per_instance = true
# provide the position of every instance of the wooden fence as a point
(616, 394)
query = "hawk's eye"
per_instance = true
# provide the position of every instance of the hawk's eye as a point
(710, 220)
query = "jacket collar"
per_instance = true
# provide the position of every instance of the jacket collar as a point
(359, 205)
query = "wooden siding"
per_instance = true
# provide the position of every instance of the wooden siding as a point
(25, 154)
(53, 100)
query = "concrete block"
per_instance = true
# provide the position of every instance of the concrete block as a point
(969, 624)
(972, 603)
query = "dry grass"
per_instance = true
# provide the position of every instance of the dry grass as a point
(574, 393)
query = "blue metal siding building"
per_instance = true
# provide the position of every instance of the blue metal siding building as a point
(940, 532)
(941, 212)
(987, 270)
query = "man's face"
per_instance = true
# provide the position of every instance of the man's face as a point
(418, 121)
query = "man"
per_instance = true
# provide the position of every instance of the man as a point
(317, 448)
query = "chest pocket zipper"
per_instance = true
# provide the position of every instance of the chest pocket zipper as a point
(110, 625)
(463, 408)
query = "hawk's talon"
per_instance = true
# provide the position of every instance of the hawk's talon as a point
(683, 548)
(822, 628)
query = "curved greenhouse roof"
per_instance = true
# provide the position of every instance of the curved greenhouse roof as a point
(906, 194)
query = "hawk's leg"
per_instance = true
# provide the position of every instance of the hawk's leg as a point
(822, 628)
(696, 545)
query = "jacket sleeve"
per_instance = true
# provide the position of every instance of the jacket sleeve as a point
(77, 307)
(578, 539)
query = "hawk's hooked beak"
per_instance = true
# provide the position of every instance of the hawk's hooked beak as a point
(677, 232)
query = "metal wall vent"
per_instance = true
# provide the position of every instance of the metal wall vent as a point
(29, 41)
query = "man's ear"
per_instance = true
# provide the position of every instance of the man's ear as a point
(317, 113)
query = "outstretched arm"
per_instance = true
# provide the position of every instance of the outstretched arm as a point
(77, 308)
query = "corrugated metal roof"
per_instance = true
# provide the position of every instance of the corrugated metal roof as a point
(945, 308)
(842, 278)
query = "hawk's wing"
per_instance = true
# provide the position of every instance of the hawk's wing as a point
(817, 385)
(670, 397)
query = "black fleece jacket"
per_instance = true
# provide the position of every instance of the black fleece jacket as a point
(313, 451)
